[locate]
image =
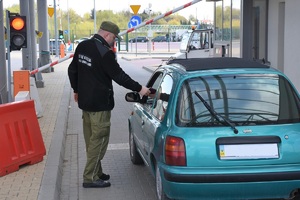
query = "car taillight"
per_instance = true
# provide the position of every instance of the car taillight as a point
(175, 151)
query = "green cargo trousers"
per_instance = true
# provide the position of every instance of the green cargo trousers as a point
(96, 130)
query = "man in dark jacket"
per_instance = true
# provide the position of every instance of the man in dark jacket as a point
(91, 73)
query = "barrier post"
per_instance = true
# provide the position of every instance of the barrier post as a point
(44, 60)
(21, 81)
(62, 50)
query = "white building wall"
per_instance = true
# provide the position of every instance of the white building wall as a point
(292, 41)
(273, 35)
(291, 44)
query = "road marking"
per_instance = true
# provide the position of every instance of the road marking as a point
(119, 146)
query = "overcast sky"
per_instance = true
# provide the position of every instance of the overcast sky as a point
(201, 10)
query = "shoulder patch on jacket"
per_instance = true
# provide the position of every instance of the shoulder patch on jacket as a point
(101, 48)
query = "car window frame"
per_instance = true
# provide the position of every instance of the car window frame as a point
(286, 84)
(155, 82)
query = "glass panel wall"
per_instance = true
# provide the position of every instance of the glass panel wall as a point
(259, 29)
(236, 26)
(218, 20)
(227, 24)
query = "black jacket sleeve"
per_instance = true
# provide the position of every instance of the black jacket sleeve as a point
(114, 70)
(73, 73)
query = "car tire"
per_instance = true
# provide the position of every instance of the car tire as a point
(158, 184)
(134, 154)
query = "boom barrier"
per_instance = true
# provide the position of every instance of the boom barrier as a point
(51, 64)
(159, 17)
(122, 33)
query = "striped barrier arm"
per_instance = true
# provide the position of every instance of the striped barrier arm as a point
(51, 64)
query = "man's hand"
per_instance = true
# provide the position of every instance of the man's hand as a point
(144, 91)
(76, 97)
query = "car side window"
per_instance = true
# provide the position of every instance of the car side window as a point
(163, 92)
(154, 82)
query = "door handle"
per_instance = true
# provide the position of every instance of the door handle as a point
(143, 122)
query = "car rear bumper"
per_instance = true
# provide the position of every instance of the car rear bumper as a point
(182, 184)
(231, 178)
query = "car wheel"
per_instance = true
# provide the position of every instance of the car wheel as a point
(134, 154)
(158, 183)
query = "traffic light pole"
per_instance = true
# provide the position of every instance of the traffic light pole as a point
(3, 71)
(8, 57)
(55, 30)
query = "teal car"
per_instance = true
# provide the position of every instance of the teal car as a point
(218, 128)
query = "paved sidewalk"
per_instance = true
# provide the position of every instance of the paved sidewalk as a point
(25, 184)
(43, 181)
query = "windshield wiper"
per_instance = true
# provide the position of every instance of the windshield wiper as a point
(215, 114)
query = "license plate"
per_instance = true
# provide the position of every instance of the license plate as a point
(248, 151)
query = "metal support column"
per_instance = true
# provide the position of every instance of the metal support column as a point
(26, 53)
(3, 72)
(44, 53)
(38, 77)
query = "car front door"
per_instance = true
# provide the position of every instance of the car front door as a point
(200, 44)
(159, 108)
(144, 115)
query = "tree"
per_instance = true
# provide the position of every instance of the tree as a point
(92, 14)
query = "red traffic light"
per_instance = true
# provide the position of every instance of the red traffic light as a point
(18, 32)
(17, 23)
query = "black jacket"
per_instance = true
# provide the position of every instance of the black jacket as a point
(91, 75)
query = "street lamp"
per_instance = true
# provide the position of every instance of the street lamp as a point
(95, 17)
(75, 32)
(69, 39)
(150, 33)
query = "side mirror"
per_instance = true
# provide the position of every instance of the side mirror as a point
(132, 97)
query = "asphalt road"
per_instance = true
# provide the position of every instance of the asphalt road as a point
(129, 182)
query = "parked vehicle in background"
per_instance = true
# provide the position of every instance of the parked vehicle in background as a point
(52, 46)
(80, 40)
(196, 44)
(138, 39)
(159, 38)
(218, 128)
(177, 35)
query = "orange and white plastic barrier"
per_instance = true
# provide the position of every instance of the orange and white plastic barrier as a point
(115, 47)
(62, 50)
(25, 89)
(21, 81)
(21, 139)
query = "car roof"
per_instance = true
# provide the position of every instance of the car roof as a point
(194, 64)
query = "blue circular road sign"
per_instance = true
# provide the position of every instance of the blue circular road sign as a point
(134, 21)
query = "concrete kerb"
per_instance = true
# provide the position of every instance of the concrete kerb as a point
(129, 56)
(52, 178)
(51, 181)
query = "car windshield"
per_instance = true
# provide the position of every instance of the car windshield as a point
(242, 99)
(184, 41)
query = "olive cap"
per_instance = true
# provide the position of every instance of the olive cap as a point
(112, 28)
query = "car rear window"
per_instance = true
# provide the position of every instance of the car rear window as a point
(243, 99)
